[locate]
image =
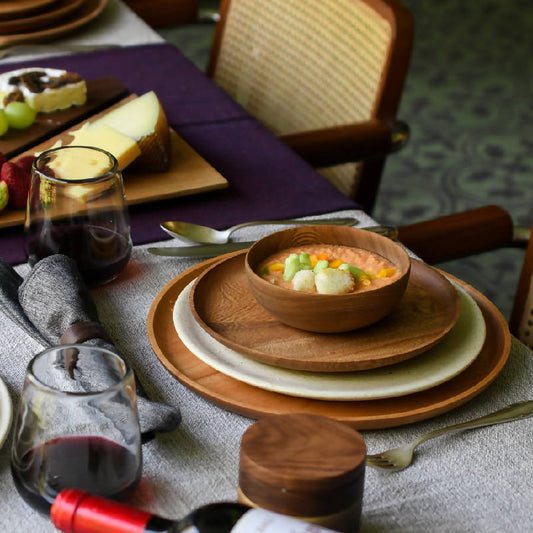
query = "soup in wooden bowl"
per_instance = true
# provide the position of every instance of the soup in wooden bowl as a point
(327, 279)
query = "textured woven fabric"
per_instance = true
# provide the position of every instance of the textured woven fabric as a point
(478, 481)
(299, 66)
(52, 298)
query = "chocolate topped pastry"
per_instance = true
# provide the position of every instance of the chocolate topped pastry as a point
(45, 90)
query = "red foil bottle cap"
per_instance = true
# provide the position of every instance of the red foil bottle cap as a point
(76, 511)
(64, 508)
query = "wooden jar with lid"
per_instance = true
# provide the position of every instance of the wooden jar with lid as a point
(307, 466)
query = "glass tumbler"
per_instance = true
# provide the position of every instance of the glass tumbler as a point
(77, 426)
(77, 207)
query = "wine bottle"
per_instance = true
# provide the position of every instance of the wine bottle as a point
(76, 511)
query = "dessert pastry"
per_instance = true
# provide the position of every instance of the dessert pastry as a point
(44, 89)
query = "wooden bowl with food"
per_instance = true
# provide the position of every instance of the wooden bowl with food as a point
(327, 279)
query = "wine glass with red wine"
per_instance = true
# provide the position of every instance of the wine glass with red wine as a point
(77, 207)
(77, 426)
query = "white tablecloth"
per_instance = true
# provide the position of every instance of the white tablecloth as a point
(476, 481)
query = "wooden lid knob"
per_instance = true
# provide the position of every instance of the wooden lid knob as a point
(306, 465)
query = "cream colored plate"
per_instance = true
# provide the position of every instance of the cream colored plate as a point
(6, 412)
(448, 358)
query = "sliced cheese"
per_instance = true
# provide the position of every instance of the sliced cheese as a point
(144, 120)
(79, 164)
(124, 148)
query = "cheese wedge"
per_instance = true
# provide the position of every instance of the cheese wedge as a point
(144, 120)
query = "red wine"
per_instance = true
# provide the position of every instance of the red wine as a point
(75, 511)
(100, 253)
(93, 464)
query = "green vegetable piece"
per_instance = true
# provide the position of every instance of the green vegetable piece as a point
(4, 125)
(265, 271)
(292, 265)
(4, 195)
(320, 266)
(356, 272)
(305, 261)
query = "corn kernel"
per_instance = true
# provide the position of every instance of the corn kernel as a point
(337, 263)
(386, 273)
(276, 267)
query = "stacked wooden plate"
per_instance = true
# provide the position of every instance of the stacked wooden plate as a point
(442, 345)
(35, 21)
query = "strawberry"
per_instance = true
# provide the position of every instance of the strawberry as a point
(18, 183)
(25, 162)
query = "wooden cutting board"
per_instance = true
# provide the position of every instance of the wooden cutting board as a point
(189, 173)
(101, 93)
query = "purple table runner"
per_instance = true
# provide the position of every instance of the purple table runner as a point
(267, 180)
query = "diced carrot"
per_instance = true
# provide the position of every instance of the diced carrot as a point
(336, 263)
(323, 257)
(314, 260)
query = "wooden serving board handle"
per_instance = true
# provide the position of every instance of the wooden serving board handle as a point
(101, 93)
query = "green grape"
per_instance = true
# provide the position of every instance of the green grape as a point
(19, 115)
(4, 125)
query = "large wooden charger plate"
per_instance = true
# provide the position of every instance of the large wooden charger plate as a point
(87, 12)
(19, 8)
(60, 10)
(225, 307)
(250, 401)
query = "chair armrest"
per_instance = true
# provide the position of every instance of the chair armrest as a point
(349, 143)
(459, 235)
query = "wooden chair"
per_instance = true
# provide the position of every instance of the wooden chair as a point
(470, 232)
(324, 75)
(163, 13)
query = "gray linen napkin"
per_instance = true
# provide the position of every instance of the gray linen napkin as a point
(54, 300)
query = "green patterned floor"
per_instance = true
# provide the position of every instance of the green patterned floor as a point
(468, 100)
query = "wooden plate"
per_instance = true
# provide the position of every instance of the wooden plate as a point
(224, 306)
(249, 401)
(56, 13)
(440, 363)
(89, 10)
(21, 8)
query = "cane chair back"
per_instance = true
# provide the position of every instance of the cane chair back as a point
(313, 65)
(521, 322)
